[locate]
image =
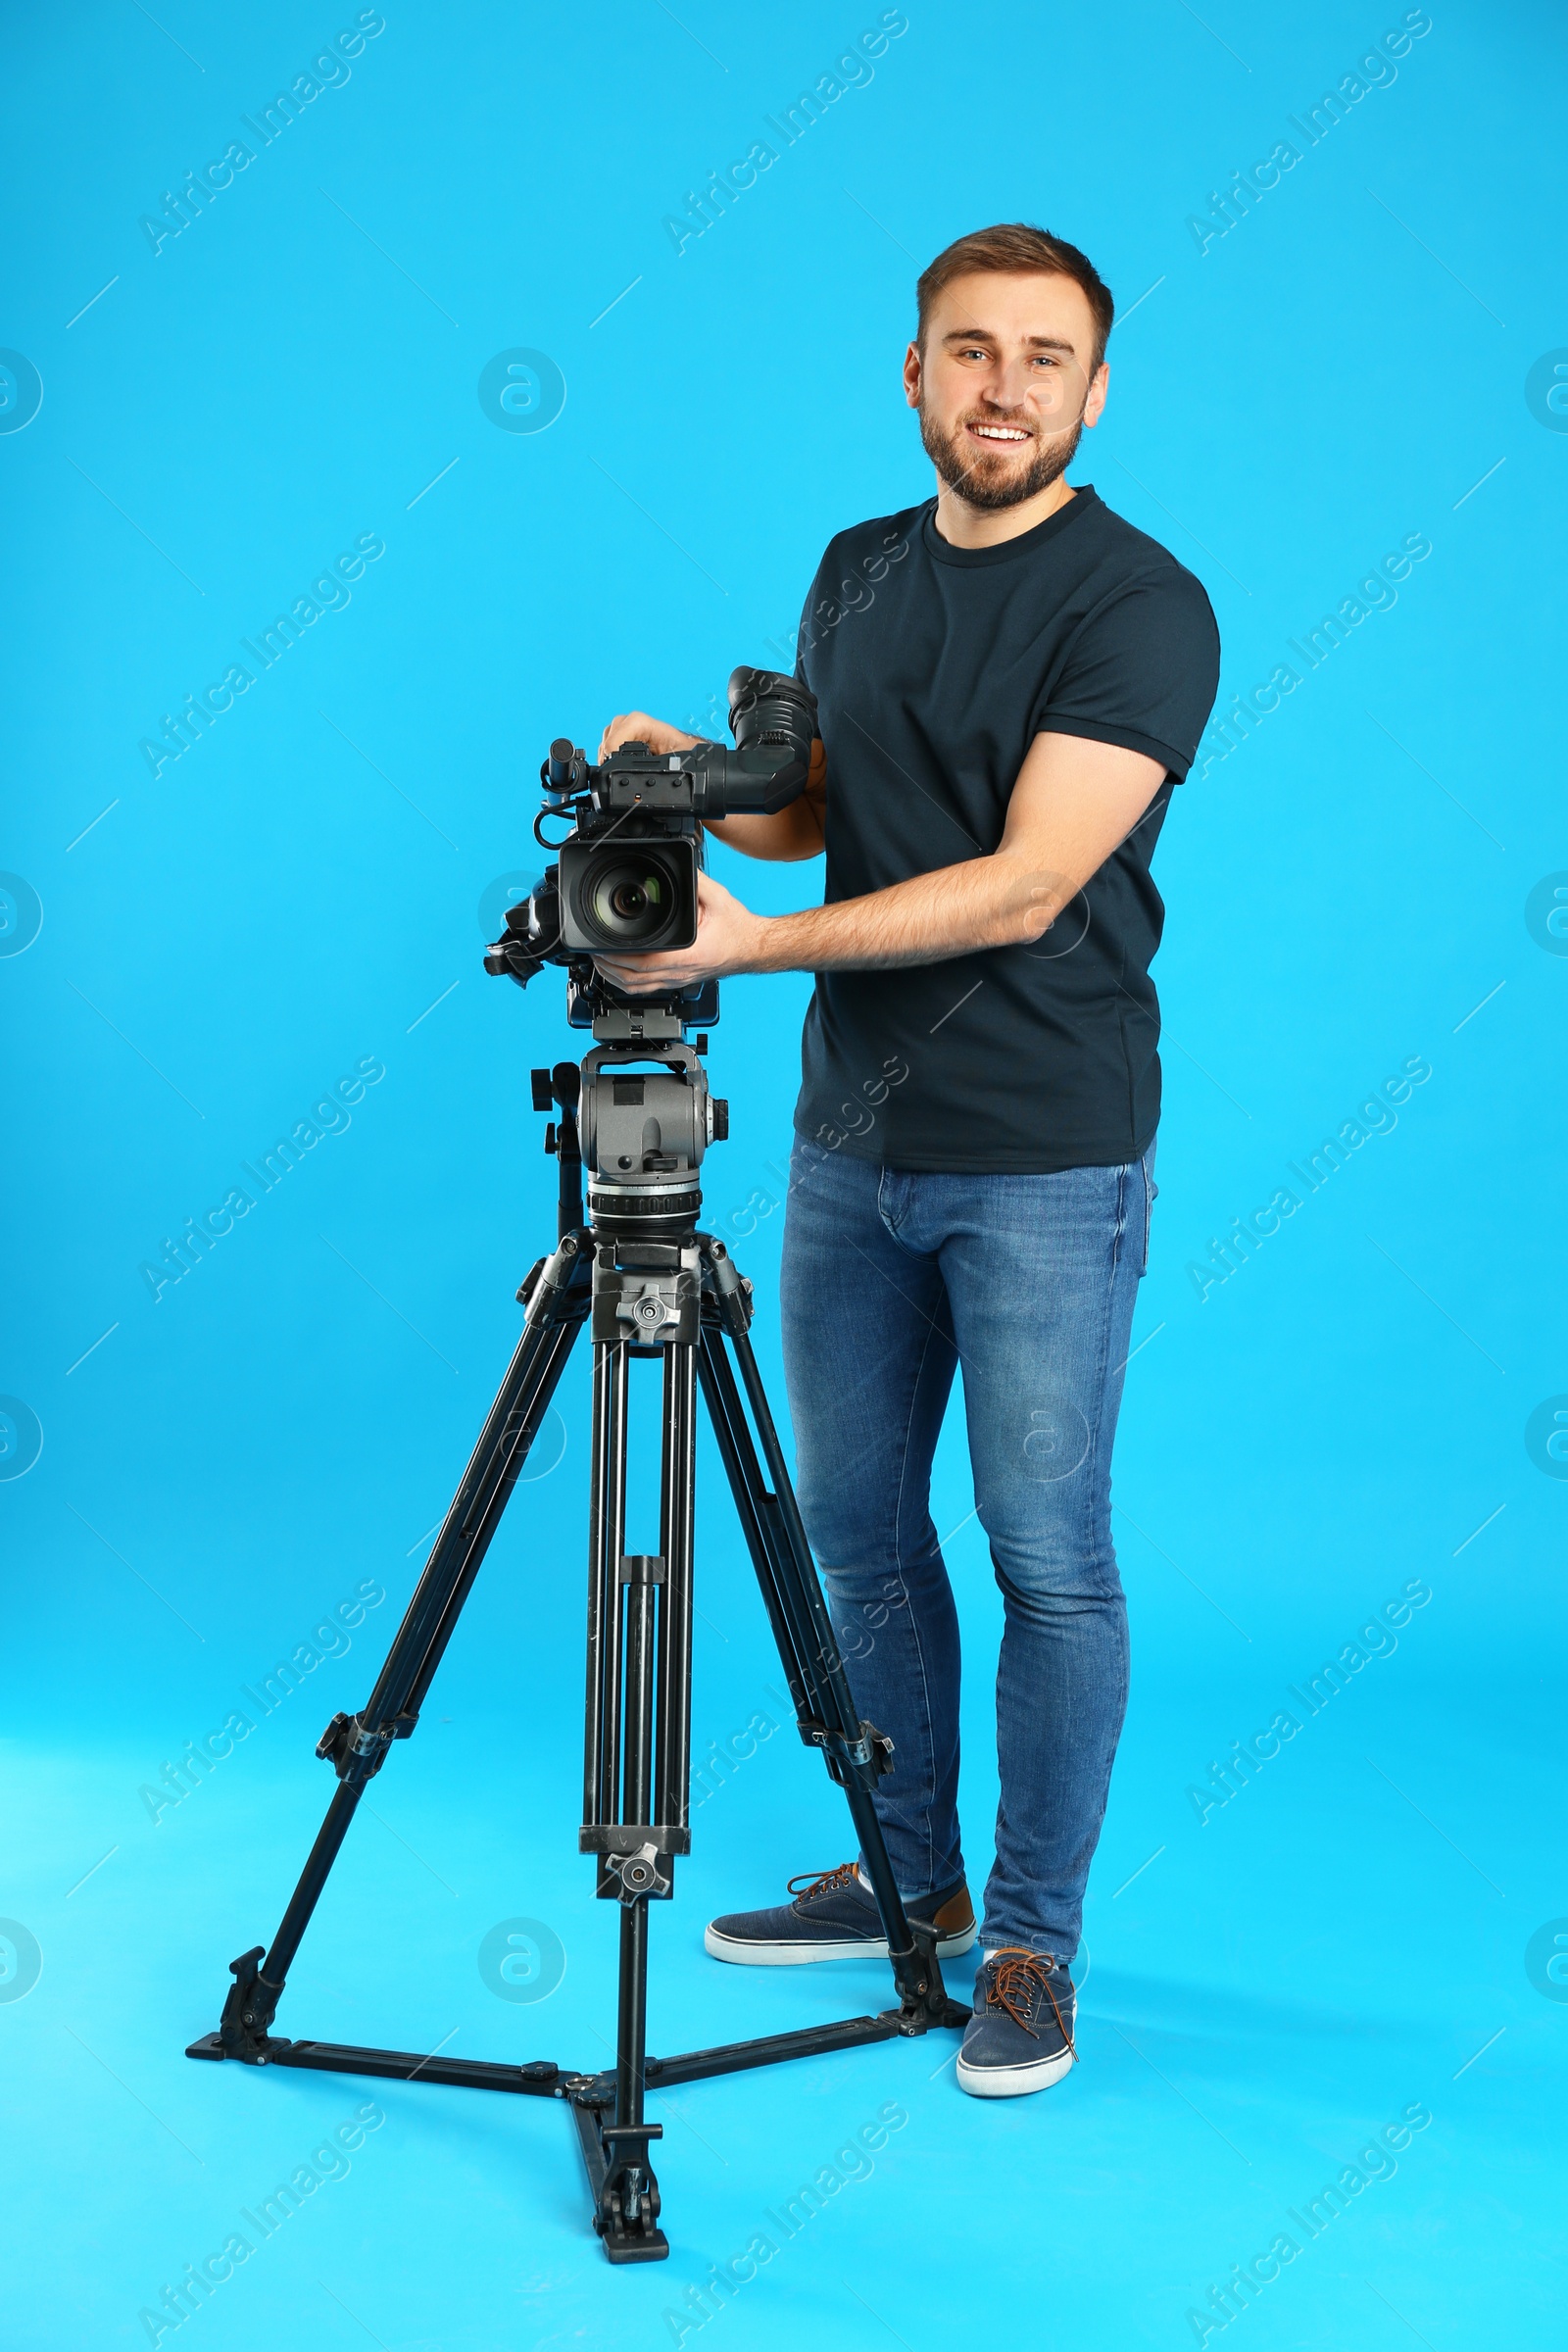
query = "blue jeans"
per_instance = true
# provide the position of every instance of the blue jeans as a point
(891, 1281)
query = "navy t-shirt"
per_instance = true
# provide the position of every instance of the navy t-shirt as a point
(934, 668)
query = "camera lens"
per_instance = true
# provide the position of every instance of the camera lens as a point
(634, 896)
(630, 903)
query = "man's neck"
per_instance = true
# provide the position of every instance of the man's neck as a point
(963, 526)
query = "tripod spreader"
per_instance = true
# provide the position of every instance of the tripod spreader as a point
(651, 1287)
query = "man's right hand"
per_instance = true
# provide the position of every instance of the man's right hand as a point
(794, 832)
(637, 726)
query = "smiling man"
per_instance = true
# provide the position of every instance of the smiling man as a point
(1011, 681)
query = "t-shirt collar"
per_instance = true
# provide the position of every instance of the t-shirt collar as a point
(1005, 551)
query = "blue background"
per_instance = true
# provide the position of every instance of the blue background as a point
(1346, 366)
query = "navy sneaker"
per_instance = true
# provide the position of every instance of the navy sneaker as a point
(834, 1917)
(1020, 2036)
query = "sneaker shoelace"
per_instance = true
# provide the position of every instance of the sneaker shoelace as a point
(813, 1883)
(1017, 1976)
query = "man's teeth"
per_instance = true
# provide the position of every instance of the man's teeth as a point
(998, 432)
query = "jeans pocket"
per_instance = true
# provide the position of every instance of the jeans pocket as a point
(1150, 1195)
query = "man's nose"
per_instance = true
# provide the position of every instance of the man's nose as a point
(1009, 384)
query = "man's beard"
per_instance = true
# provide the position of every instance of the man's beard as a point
(985, 482)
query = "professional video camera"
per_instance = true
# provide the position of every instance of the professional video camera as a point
(626, 877)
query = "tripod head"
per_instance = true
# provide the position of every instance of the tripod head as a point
(640, 1134)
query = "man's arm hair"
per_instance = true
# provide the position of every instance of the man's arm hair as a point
(1074, 803)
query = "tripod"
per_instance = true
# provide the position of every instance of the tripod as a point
(648, 1284)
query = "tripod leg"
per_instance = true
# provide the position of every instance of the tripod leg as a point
(672, 1760)
(808, 1648)
(637, 1758)
(606, 1542)
(631, 2038)
(358, 1744)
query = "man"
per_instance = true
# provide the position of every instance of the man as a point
(1011, 682)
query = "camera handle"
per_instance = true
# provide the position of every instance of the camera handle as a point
(563, 1088)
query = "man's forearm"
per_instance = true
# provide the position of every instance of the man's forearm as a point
(1073, 802)
(990, 902)
(792, 834)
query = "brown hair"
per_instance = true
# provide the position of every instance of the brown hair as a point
(1014, 245)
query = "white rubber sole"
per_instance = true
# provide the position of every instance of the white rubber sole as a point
(796, 1955)
(1012, 2082)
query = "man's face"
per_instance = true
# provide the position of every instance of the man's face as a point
(1003, 389)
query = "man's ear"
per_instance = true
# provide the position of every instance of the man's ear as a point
(1099, 386)
(911, 375)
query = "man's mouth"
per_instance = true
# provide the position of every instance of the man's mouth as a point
(1004, 433)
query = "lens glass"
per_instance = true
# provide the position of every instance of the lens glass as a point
(628, 900)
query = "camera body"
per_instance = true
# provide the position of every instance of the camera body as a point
(625, 877)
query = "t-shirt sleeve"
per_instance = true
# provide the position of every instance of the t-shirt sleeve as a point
(806, 635)
(801, 637)
(1141, 671)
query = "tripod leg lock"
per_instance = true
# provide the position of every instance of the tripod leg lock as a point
(639, 1873)
(732, 1291)
(350, 1747)
(249, 2010)
(551, 1276)
(923, 2000)
(530, 1281)
(864, 1758)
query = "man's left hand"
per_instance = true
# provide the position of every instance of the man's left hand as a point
(729, 938)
